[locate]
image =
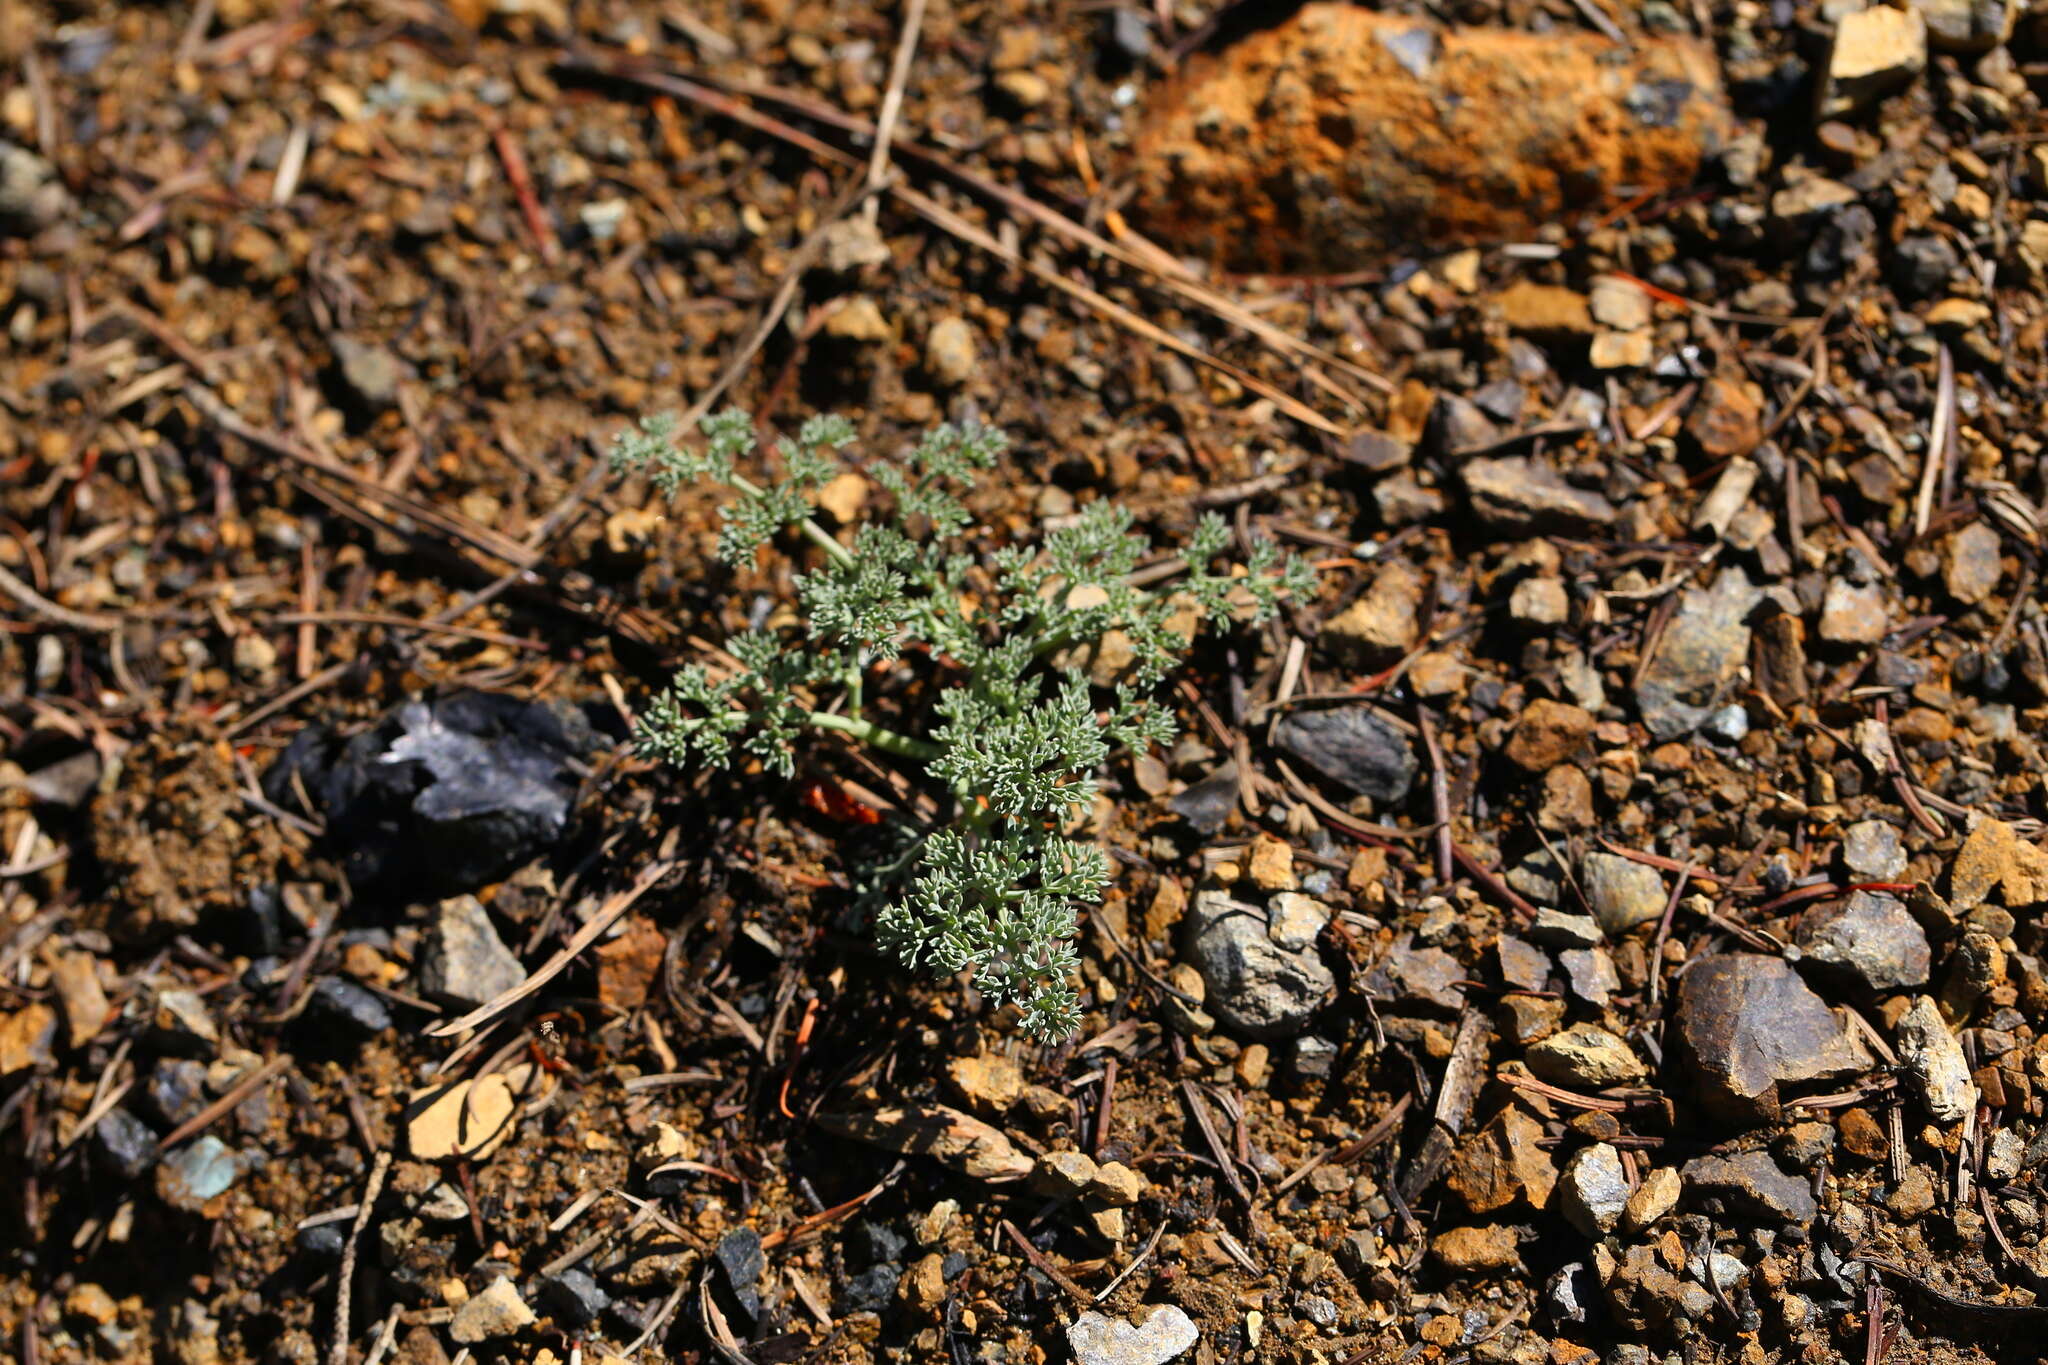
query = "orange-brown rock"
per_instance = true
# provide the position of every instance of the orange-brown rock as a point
(1317, 143)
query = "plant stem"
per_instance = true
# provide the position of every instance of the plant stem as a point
(868, 732)
(819, 536)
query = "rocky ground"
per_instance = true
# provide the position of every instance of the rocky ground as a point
(1604, 923)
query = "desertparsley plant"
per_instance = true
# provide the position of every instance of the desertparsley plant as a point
(1016, 741)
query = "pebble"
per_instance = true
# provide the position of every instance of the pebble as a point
(1062, 1174)
(1621, 892)
(1853, 613)
(1251, 983)
(1547, 733)
(1935, 1062)
(468, 1119)
(1383, 623)
(573, 1297)
(1116, 1185)
(1527, 306)
(1519, 496)
(872, 1290)
(2004, 1158)
(1620, 304)
(1871, 851)
(1593, 1193)
(1876, 51)
(497, 1311)
(1698, 654)
(174, 1090)
(1502, 1162)
(1586, 1056)
(1270, 865)
(1465, 1251)
(371, 373)
(197, 1172)
(32, 197)
(126, 1143)
(1523, 966)
(463, 961)
(1355, 747)
(853, 243)
(990, 1082)
(1556, 929)
(949, 352)
(1915, 1196)
(1539, 602)
(91, 1302)
(180, 1020)
(335, 1001)
(1749, 1025)
(1870, 939)
(1994, 857)
(77, 979)
(1967, 27)
(1097, 1339)
(1751, 1183)
(742, 1261)
(1420, 976)
(1972, 563)
(1656, 1196)
(1726, 421)
(25, 1038)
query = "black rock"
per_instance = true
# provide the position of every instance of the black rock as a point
(126, 1143)
(263, 922)
(872, 1290)
(175, 1090)
(1353, 746)
(572, 1297)
(443, 796)
(1208, 803)
(879, 1242)
(344, 1003)
(1922, 264)
(954, 1266)
(739, 1256)
(323, 1239)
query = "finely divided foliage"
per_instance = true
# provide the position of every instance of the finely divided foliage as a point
(1017, 743)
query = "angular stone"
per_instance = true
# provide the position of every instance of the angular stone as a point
(1548, 733)
(1968, 27)
(1523, 966)
(25, 1038)
(1061, 1175)
(1421, 976)
(463, 961)
(1547, 309)
(197, 1172)
(1480, 1250)
(990, 1082)
(1252, 984)
(1556, 929)
(950, 352)
(1353, 746)
(1752, 1183)
(1935, 1062)
(1853, 613)
(1517, 495)
(1594, 1191)
(1621, 892)
(1726, 421)
(1870, 940)
(1876, 51)
(1590, 974)
(1748, 1025)
(1972, 563)
(1872, 852)
(1116, 1185)
(1586, 1056)
(497, 1311)
(1270, 864)
(1698, 654)
(1502, 1161)
(1994, 857)
(467, 1119)
(77, 979)
(1656, 1196)
(1383, 623)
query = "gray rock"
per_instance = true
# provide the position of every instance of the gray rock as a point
(1556, 929)
(1593, 1192)
(1572, 1294)
(1935, 1061)
(463, 961)
(31, 196)
(125, 1142)
(2005, 1156)
(1251, 983)
(1523, 966)
(573, 1297)
(1353, 746)
(1706, 642)
(1420, 976)
(1869, 940)
(1097, 1339)
(1752, 1184)
(1590, 974)
(1517, 495)
(1872, 852)
(1621, 892)
(1853, 613)
(1748, 1025)
(1729, 724)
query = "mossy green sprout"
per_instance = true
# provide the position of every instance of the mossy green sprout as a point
(1017, 740)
